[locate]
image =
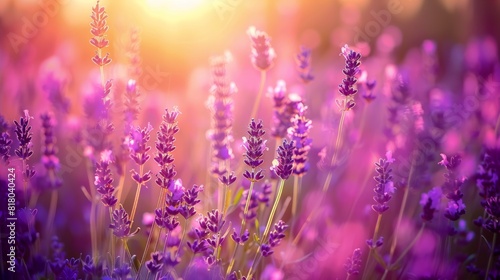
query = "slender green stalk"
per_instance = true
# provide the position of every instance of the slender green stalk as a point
(491, 256)
(137, 194)
(268, 225)
(326, 186)
(400, 218)
(243, 223)
(374, 239)
(259, 95)
(297, 183)
(410, 246)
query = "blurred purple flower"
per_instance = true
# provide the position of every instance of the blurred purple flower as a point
(430, 202)
(353, 263)
(303, 60)
(263, 54)
(299, 133)
(384, 189)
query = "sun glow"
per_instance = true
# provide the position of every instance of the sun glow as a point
(176, 5)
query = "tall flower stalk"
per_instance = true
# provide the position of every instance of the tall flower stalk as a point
(254, 151)
(25, 149)
(165, 159)
(283, 167)
(262, 57)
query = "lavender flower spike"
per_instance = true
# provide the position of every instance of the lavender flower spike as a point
(353, 263)
(254, 146)
(121, 223)
(303, 60)
(384, 189)
(299, 132)
(5, 140)
(283, 165)
(347, 87)
(263, 54)
(98, 29)
(104, 180)
(430, 203)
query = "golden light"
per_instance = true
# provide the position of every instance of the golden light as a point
(176, 5)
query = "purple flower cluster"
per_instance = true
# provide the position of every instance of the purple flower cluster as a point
(451, 187)
(353, 263)
(489, 189)
(285, 107)
(120, 223)
(5, 140)
(430, 202)
(347, 87)
(299, 133)
(303, 60)
(139, 152)
(275, 238)
(384, 189)
(104, 181)
(221, 105)
(254, 150)
(131, 103)
(99, 28)
(283, 165)
(165, 147)
(49, 158)
(208, 237)
(263, 54)
(25, 149)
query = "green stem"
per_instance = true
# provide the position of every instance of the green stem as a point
(400, 218)
(415, 239)
(491, 256)
(297, 182)
(259, 95)
(374, 239)
(136, 199)
(243, 223)
(268, 226)
(326, 186)
(112, 239)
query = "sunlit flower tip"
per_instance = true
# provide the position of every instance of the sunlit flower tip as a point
(106, 156)
(131, 85)
(263, 54)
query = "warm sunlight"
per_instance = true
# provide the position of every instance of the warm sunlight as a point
(176, 5)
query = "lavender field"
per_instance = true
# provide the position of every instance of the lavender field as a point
(238, 139)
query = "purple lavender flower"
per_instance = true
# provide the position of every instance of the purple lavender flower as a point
(451, 187)
(99, 29)
(299, 133)
(164, 219)
(165, 147)
(53, 86)
(139, 152)
(122, 269)
(104, 180)
(254, 146)
(5, 140)
(156, 263)
(252, 206)
(25, 150)
(49, 158)
(190, 199)
(263, 54)
(240, 239)
(283, 165)
(24, 135)
(121, 223)
(285, 107)
(275, 238)
(430, 203)
(303, 60)
(221, 106)
(347, 88)
(367, 87)
(130, 100)
(265, 195)
(90, 268)
(353, 263)
(384, 189)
